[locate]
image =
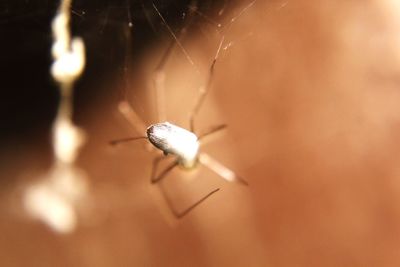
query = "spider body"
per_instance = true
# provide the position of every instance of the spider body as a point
(172, 139)
(177, 141)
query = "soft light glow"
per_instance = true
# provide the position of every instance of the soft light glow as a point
(53, 199)
(67, 140)
(217, 167)
(69, 65)
(69, 56)
(46, 204)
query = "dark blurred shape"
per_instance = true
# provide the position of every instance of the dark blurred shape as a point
(29, 96)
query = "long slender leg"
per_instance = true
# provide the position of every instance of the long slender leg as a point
(220, 169)
(212, 131)
(159, 82)
(132, 117)
(178, 42)
(156, 161)
(204, 90)
(127, 139)
(180, 214)
(159, 74)
(156, 178)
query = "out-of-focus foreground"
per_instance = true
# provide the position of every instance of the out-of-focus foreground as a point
(309, 91)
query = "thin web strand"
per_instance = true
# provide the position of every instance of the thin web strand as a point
(176, 38)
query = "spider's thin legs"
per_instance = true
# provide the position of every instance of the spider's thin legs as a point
(204, 90)
(156, 178)
(154, 167)
(212, 131)
(127, 139)
(180, 214)
(159, 73)
(132, 117)
(220, 169)
(159, 82)
(174, 36)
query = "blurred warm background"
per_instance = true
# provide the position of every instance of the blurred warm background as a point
(310, 91)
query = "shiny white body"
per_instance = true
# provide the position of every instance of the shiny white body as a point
(172, 139)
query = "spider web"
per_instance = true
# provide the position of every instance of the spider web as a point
(112, 30)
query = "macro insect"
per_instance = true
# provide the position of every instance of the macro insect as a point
(182, 144)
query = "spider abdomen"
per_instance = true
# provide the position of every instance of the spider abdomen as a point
(172, 139)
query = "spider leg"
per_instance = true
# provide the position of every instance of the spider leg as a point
(180, 214)
(127, 139)
(159, 73)
(213, 130)
(159, 82)
(131, 116)
(156, 178)
(220, 169)
(205, 89)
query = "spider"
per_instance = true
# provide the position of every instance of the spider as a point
(181, 143)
